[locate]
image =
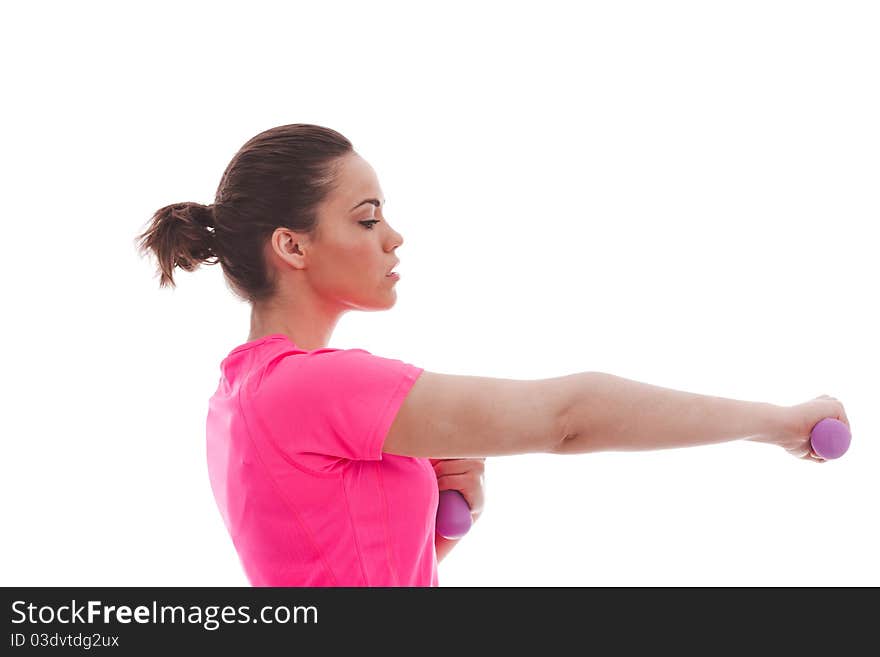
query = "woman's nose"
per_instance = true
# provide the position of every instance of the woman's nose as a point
(396, 239)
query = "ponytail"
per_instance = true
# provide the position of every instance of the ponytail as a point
(180, 235)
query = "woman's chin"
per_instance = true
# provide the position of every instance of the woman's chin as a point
(391, 298)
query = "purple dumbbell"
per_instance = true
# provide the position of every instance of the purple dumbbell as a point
(830, 438)
(453, 515)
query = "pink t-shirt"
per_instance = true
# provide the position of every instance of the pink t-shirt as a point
(294, 448)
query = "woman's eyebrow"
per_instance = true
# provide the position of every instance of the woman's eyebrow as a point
(374, 201)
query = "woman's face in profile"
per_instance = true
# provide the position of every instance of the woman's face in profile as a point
(343, 265)
(353, 252)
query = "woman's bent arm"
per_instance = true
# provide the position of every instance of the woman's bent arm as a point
(609, 413)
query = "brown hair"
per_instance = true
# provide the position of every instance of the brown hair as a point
(278, 178)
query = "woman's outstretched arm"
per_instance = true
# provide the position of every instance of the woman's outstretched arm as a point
(450, 416)
(609, 413)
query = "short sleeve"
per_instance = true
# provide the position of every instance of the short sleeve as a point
(331, 404)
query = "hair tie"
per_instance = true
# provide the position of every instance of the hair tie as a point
(206, 218)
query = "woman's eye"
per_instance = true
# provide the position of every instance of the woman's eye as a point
(369, 224)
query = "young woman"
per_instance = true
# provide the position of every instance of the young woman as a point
(326, 464)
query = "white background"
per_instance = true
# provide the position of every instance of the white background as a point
(680, 193)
